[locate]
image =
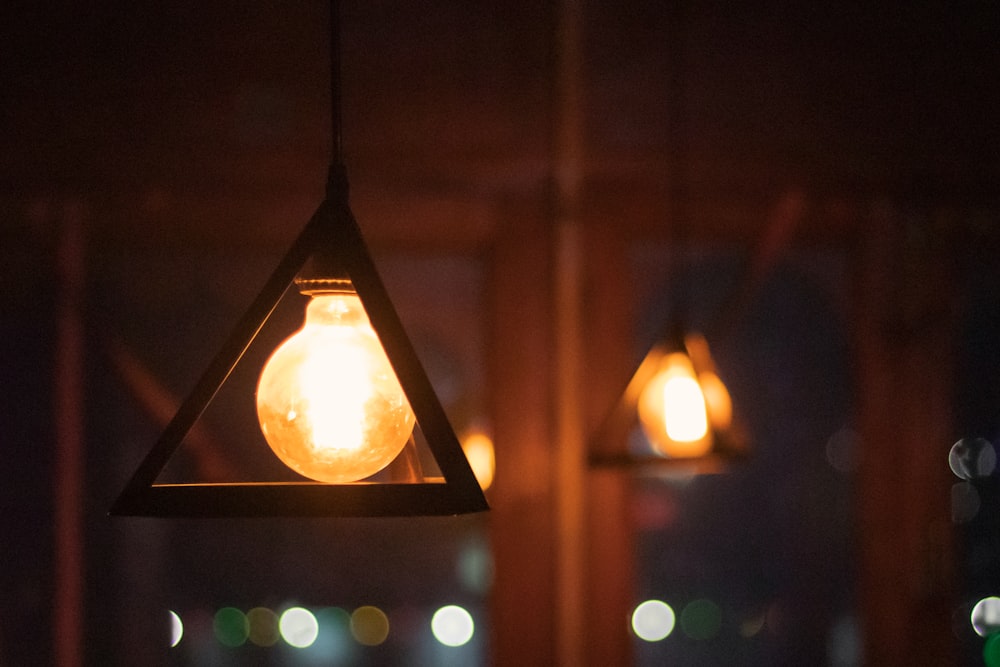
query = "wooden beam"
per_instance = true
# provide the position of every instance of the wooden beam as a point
(610, 539)
(905, 327)
(68, 491)
(521, 520)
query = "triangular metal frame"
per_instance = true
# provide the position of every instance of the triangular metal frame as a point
(727, 446)
(331, 231)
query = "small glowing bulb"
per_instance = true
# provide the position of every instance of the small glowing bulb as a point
(673, 410)
(328, 401)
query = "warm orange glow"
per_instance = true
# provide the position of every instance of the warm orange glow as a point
(328, 401)
(673, 411)
(478, 448)
(263, 624)
(720, 405)
(369, 625)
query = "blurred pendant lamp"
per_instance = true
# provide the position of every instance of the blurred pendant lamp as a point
(680, 405)
(676, 396)
(337, 402)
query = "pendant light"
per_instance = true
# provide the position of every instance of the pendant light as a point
(337, 401)
(681, 406)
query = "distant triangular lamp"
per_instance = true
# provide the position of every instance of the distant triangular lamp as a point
(337, 401)
(676, 397)
(682, 407)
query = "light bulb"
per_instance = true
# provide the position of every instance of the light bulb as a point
(672, 409)
(328, 401)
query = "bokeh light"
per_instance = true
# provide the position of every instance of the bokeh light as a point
(985, 616)
(971, 458)
(701, 619)
(263, 625)
(176, 629)
(653, 620)
(333, 619)
(844, 643)
(965, 502)
(452, 625)
(231, 627)
(474, 566)
(841, 450)
(369, 625)
(298, 627)
(334, 644)
(478, 448)
(991, 651)
(753, 624)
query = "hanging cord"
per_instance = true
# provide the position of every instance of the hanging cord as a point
(337, 155)
(336, 185)
(325, 272)
(678, 156)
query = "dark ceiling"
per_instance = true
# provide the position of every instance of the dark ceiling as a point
(197, 122)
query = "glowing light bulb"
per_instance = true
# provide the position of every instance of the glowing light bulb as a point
(328, 401)
(673, 411)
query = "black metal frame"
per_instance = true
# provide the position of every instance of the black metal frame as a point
(332, 236)
(333, 232)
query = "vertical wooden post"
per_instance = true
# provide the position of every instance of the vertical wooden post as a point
(69, 466)
(561, 536)
(521, 520)
(570, 475)
(569, 479)
(607, 320)
(904, 340)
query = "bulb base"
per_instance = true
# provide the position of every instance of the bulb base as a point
(316, 286)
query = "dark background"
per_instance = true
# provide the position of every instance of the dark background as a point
(193, 140)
